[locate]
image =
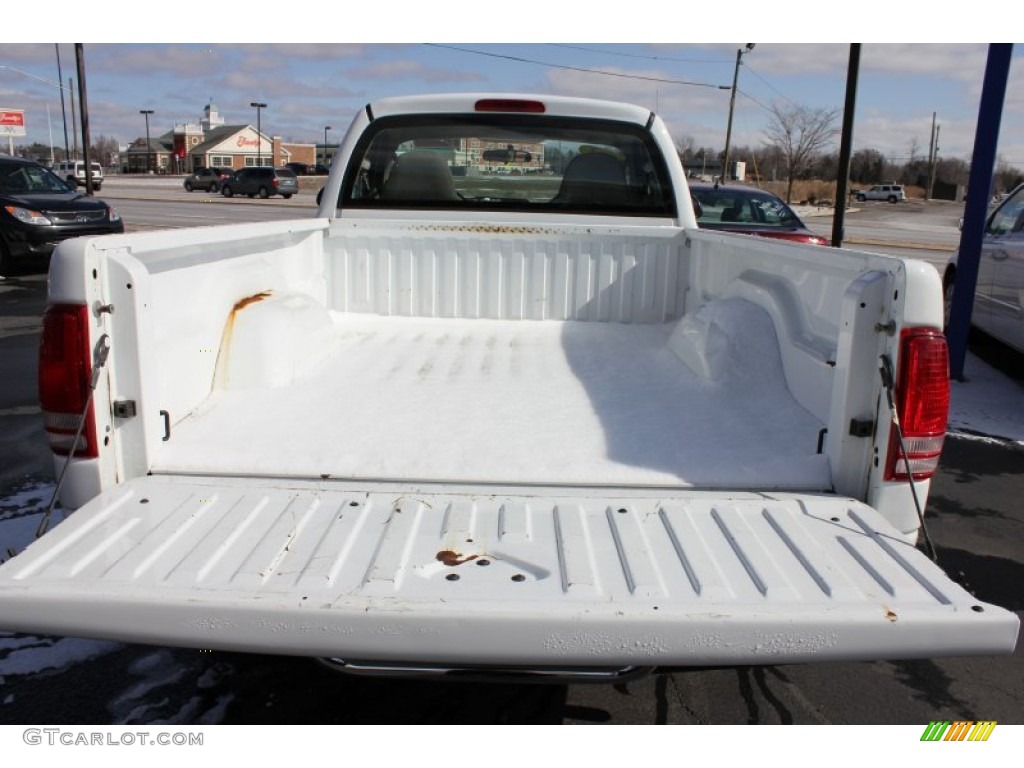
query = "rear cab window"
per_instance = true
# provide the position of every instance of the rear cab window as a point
(510, 162)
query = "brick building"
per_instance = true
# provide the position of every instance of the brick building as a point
(212, 143)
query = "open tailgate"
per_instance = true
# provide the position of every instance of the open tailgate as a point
(323, 569)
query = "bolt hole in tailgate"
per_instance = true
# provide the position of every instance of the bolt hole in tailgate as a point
(540, 579)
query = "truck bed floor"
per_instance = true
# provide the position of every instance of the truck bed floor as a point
(571, 403)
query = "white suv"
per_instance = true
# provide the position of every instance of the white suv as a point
(890, 192)
(73, 172)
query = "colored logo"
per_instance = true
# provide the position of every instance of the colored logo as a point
(958, 730)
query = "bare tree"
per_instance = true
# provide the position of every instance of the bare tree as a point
(799, 132)
(104, 149)
(685, 146)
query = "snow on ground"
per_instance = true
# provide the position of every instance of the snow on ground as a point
(987, 405)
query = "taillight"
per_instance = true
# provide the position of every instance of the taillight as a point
(922, 402)
(65, 372)
(277, 183)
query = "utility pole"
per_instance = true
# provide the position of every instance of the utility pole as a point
(259, 132)
(149, 148)
(933, 148)
(724, 176)
(74, 123)
(63, 111)
(83, 103)
(845, 147)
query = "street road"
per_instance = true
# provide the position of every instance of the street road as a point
(975, 517)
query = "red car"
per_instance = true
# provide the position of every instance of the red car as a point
(749, 210)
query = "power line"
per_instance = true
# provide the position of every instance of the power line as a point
(523, 60)
(746, 95)
(639, 55)
(781, 94)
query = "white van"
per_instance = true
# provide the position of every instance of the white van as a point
(73, 172)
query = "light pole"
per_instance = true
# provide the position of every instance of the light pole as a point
(732, 105)
(326, 129)
(259, 133)
(149, 149)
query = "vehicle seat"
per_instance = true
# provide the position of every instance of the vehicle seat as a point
(594, 178)
(419, 176)
(733, 213)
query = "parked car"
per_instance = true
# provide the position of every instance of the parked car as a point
(999, 294)
(73, 172)
(308, 169)
(892, 193)
(38, 210)
(262, 182)
(750, 211)
(207, 179)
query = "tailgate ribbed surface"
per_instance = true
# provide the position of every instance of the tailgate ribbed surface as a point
(697, 579)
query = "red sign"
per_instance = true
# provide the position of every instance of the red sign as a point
(12, 122)
(244, 142)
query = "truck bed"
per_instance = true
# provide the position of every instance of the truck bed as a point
(514, 402)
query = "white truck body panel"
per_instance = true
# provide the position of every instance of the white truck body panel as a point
(494, 438)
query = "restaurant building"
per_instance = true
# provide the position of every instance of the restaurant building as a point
(212, 143)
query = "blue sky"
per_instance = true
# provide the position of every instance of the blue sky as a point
(310, 85)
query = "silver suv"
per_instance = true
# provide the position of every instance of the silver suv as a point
(892, 193)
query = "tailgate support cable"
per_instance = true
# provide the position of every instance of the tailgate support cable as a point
(100, 353)
(888, 381)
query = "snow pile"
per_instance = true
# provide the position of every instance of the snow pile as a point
(988, 404)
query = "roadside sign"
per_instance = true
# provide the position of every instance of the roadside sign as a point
(12, 122)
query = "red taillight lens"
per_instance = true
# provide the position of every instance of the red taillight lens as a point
(510, 105)
(922, 401)
(65, 370)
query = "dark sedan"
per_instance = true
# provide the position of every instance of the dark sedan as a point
(749, 211)
(38, 210)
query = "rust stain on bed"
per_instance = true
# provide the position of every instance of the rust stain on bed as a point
(243, 303)
(220, 371)
(452, 558)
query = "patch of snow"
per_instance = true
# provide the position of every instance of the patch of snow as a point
(20, 515)
(26, 654)
(987, 405)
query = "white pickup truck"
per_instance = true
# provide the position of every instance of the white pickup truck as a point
(504, 407)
